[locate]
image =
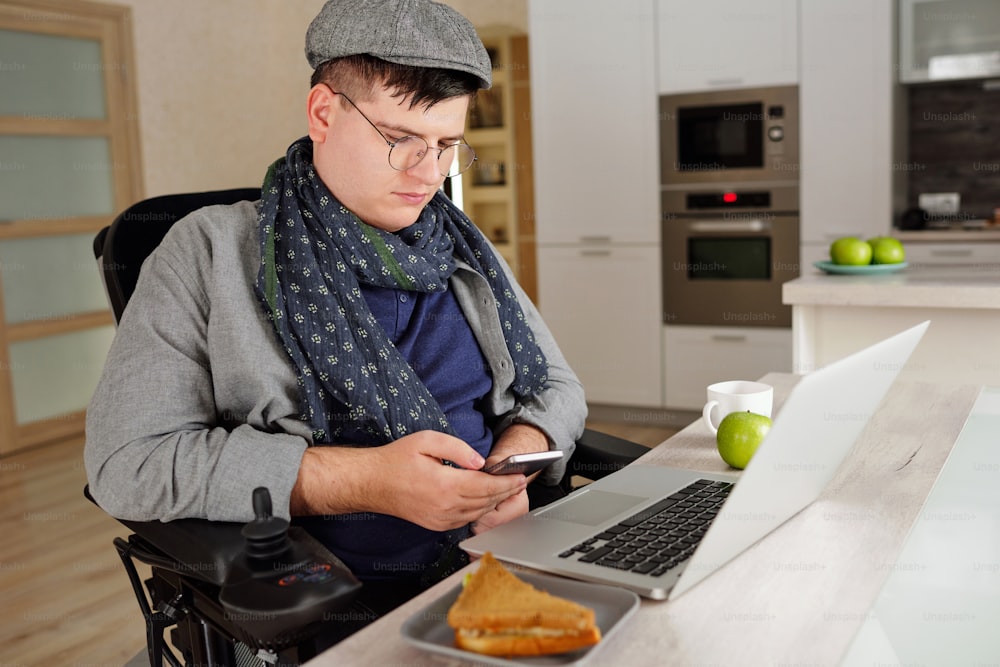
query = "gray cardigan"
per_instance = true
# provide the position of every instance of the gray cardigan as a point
(198, 404)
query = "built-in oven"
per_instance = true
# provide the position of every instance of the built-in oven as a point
(731, 136)
(726, 252)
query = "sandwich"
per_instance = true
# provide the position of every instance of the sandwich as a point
(498, 614)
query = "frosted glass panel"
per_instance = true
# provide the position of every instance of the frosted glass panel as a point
(55, 177)
(49, 277)
(57, 375)
(50, 77)
(948, 27)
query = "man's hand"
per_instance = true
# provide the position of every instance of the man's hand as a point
(508, 510)
(516, 439)
(406, 478)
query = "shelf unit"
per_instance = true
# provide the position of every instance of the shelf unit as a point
(498, 192)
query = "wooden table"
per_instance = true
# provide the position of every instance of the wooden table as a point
(798, 596)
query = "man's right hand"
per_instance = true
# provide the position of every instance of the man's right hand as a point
(406, 478)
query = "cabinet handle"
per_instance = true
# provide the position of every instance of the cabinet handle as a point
(729, 338)
(958, 252)
(731, 81)
(596, 252)
(595, 239)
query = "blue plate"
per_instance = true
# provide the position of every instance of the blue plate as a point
(865, 270)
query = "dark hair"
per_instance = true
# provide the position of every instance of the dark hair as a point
(360, 75)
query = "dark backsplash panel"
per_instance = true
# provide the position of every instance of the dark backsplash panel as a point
(954, 144)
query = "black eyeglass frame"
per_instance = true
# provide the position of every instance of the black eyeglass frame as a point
(422, 154)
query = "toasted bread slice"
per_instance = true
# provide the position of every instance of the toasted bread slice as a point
(498, 614)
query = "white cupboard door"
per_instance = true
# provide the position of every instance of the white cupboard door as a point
(594, 119)
(846, 111)
(695, 357)
(720, 44)
(602, 305)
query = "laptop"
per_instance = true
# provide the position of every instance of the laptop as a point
(685, 525)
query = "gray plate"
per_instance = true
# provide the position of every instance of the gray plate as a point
(429, 628)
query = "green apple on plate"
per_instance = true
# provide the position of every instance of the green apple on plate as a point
(739, 436)
(886, 250)
(850, 251)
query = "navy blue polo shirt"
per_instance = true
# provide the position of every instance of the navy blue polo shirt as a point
(432, 334)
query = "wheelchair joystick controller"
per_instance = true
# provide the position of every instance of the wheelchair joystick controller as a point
(267, 535)
(285, 585)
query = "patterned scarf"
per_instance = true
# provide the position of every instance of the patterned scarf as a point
(316, 254)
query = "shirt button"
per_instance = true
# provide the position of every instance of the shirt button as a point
(403, 298)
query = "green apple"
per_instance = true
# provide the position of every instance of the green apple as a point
(739, 436)
(850, 250)
(886, 250)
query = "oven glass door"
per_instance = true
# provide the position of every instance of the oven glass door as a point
(710, 138)
(729, 258)
(728, 272)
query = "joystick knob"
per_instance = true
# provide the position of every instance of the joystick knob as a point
(267, 535)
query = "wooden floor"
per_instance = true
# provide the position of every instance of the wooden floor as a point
(66, 600)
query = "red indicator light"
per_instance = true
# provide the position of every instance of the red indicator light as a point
(729, 197)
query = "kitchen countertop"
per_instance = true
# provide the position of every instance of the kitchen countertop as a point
(960, 287)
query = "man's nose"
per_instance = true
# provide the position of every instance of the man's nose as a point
(428, 170)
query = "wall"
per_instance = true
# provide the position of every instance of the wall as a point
(222, 84)
(221, 88)
(512, 13)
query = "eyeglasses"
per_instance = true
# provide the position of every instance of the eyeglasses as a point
(408, 152)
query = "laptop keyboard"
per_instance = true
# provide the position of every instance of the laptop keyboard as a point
(659, 537)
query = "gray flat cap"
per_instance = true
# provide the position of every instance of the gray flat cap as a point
(407, 32)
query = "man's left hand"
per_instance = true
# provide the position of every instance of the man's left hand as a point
(507, 510)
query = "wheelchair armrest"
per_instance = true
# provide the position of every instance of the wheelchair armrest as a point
(599, 454)
(200, 548)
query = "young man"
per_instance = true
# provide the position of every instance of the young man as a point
(351, 342)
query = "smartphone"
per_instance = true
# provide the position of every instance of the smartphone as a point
(524, 463)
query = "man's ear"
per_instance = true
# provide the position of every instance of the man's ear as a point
(319, 111)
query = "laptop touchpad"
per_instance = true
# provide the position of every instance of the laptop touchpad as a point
(591, 507)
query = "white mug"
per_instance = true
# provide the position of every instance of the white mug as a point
(736, 396)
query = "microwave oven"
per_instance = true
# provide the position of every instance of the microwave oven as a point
(731, 136)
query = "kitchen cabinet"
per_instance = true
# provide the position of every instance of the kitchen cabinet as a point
(974, 253)
(594, 119)
(982, 255)
(846, 98)
(596, 163)
(948, 39)
(602, 305)
(695, 357)
(717, 44)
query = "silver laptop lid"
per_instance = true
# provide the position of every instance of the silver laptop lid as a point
(811, 435)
